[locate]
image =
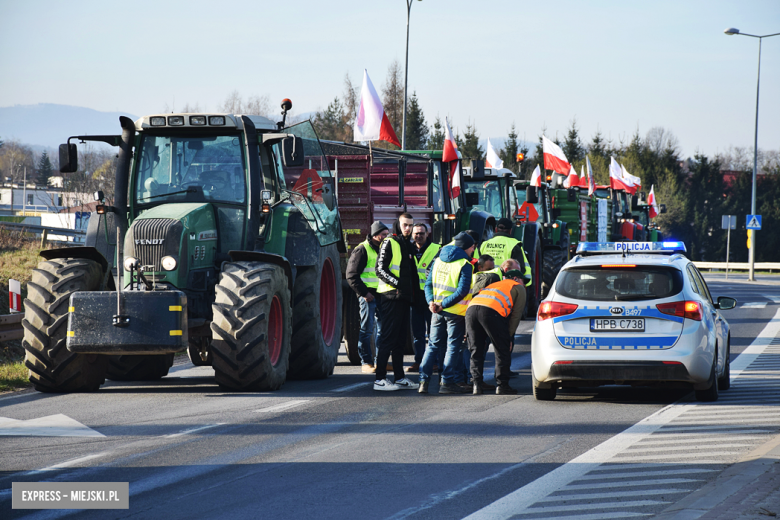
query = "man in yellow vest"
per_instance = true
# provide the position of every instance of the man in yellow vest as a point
(398, 286)
(494, 314)
(448, 292)
(423, 252)
(361, 277)
(503, 247)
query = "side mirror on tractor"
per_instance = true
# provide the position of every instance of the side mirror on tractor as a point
(531, 195)
(663, 208)
(571, 195)
(292, 151)
(69, 158)
(634, 203)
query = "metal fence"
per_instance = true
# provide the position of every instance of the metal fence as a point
(738, 266)
(45, 231)
(11, 326)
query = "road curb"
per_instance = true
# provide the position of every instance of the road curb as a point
(731, 481)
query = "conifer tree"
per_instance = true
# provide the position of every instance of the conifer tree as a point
(44, 170)
(436, 140)
(509, 152)
(416, 127)
(469, 144)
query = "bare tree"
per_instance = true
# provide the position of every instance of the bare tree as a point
(660, 140)
(191, 108)
(393, 96)
(350, 102)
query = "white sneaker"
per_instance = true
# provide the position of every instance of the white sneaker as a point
(385, 385)
(407, 384)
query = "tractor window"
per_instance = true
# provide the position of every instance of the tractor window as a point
(489, 196)
(192, 169)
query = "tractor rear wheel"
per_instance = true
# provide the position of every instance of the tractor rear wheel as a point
(252, 327)
(52, 367)
(139, 368)
(534, 291)
(351, 325)
(317, 317)
(553, 260)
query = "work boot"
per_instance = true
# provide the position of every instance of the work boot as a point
(505, 389)
(477, 388)
(423, 389)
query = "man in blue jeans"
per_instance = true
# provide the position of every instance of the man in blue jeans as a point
(448, 292)
(361, 276)
(424, 253)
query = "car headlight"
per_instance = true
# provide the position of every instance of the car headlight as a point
(130, 262)
(168, 263)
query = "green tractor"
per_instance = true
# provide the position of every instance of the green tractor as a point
(223, 240)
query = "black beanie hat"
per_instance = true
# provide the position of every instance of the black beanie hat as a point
(463, 240)
(377, 227)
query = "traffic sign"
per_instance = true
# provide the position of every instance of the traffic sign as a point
(753, 222)
(728, 222)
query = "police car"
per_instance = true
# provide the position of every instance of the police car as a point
(635, 313)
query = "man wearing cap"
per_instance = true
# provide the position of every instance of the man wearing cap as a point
(494, 314)
(361, 277)
(398, 285)
(423, 252)
(503, 247)
(448, 292)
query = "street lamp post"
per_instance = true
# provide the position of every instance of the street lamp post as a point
(406, 71)
(752, 253)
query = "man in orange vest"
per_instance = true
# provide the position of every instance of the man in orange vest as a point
(495, 313)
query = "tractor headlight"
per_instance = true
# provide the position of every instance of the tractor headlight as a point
(168, 263)
(130, 262)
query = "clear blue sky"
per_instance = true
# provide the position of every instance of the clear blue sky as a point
(615, 65)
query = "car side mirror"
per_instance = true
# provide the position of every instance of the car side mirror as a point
(532, 195)
(571, 195)
(69, 158)
(725, 303)
(292, 151)
(327, 196)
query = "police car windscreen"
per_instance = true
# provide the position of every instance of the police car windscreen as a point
(619, 284)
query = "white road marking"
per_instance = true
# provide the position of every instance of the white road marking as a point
(192, 430)
(69, 463)
(651, 482)
(641, 448)
(616, 494)
(58, 425)
(283, 406)
(350, 387)
(582, 507)
(753, 305)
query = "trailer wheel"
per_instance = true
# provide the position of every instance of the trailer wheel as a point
(139, 368)
(52, 367)
(351, 326)
(317, 307)
(252, 327)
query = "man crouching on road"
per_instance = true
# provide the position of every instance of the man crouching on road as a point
(398, 284)
(448, 291)
(495, 313)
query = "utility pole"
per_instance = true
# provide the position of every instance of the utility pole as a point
(406, 72)
(24, 194)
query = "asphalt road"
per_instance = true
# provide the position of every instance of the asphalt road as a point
(334, 448)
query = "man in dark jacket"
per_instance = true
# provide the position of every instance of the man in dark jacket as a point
(448, 291)
(361, 276)
(398, 286)
(423, 252)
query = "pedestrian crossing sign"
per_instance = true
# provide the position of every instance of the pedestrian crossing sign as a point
(753, 222)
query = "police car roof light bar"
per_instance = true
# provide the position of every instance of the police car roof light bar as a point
(594, 248)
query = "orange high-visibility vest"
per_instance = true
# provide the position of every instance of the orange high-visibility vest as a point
(497, 296)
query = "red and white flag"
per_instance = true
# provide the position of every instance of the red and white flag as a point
(583, 178)
(572, 181)
(450, 155)
(554, 158)
(14, 295)
(372, 123)
(632, 181)
(536, 177)
(616, 181)
(591, 178)
(492, 160)
(651, 200)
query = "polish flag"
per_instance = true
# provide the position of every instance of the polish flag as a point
(572, 181)
(536, 177)
(654, 210)
(591, 178)
(632, 181)
(450, 155)
(554, 158)
(15, 295)
(493, 160)
(616, 181)
(372, 123)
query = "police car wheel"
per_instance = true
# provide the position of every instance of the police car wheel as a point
(542, 394)
(711, 393)
(724, 382)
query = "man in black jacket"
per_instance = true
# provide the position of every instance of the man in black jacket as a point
(398, 286)
(361, 277)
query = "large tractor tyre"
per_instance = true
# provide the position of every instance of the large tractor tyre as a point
(351, 326)
(52, 367)
(252, 327)
(317, 317)
(534, 291)
(553, 260)
(147, 367)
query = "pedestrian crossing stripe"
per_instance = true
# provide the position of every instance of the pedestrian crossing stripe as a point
(754, 222)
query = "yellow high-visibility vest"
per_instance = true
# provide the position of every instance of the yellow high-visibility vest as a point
(445, 283)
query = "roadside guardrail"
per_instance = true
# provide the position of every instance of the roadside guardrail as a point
(739, 266)
(44, 231)
(11, 326)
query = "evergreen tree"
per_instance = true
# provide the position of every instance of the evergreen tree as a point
(44, 170)
(704, 210)
(509, 152)
(330, 124)
(436, 139)
(469, 145)
(416, 127)
(572, 145)
(524, 169)
(597, 146)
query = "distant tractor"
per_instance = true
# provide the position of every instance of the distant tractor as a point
(224, 241)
